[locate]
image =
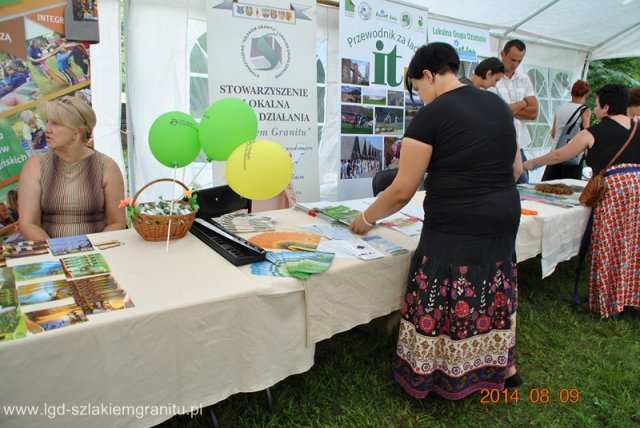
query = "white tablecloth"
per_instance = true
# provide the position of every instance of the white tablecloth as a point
(201, 330)
(354, 292)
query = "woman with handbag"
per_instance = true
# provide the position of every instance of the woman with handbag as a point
(614, 147)
(574, 115)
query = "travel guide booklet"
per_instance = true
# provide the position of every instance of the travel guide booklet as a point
(297, 264)
(330, 230)
(42, 292)
(244, 222)
(304, 241)
(342, 212)
(408, 225)
(70, 245)
(13, 250)
(85, 265)
(52, 318)
(380, 243)
(100, 294)
(37, 270)
(7, 279)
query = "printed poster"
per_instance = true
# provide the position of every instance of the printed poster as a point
(37, 64)
(263, 52)
(377, 40)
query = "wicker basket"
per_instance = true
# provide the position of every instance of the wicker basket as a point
(155, 227)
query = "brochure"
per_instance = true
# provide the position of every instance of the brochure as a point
(12, 250)
(295, 264)
(43, 292)
(99, 294)
(408, 225)
(85, 265)
(52, 318)
(239, 222)
(70, 245)
(37, 270)
(380, 243)
(287, 240)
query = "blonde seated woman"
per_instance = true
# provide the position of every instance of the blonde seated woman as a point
(70, 189)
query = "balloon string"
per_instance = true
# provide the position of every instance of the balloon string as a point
(173, 196)
(204, 165)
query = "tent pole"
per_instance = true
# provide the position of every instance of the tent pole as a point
(129, 122)
(585, 67)
(528, 18)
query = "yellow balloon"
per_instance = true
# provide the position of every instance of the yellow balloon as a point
(258, 169)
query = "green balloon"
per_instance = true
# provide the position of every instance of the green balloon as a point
(225, 125)
(173, 139)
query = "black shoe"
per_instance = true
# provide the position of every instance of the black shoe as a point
(513, 381)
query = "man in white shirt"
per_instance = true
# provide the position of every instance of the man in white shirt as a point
(516, 89)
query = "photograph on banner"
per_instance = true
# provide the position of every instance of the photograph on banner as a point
(375, 96)
(85, 10)
(395, 98)
(360, 156)
(392, 147)
(377, 40)
(356, 119)
(389, 121)
(355, 71)
(351, 94)
(411, 107)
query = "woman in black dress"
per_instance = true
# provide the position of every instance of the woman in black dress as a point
(457, 331)
(614, 280)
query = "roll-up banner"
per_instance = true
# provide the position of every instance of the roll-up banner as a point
(264, 52)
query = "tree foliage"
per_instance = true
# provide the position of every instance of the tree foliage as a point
(618, 70)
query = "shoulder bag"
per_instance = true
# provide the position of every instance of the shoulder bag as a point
(596, 186)
(570, 130)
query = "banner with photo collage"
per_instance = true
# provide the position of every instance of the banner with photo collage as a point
(263, 52)
(377, 40)
(37, 64)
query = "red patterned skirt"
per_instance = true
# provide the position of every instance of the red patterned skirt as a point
(615, 245)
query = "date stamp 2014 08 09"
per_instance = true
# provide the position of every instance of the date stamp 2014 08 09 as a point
(535, 396)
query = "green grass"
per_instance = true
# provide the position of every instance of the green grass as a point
(558, 346)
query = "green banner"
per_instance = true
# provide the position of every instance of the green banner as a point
(12, 154)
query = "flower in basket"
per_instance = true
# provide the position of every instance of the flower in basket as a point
(192, 198)
(127, 204)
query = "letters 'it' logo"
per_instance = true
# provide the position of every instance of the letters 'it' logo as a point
(386, 66)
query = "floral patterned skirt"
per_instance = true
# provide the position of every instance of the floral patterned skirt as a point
(615, 245)
(457, 331)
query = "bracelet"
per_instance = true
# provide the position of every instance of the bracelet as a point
(364, 219)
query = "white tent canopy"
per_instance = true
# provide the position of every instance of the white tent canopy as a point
(560, 34)
(601, 28)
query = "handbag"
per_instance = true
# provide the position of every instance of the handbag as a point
(596, 186)
(570, 130)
